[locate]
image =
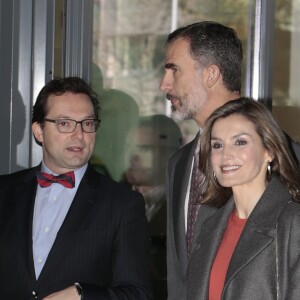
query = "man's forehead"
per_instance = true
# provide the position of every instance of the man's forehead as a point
(72, 102)
(178, 50)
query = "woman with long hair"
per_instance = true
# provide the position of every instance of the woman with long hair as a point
(250, 248)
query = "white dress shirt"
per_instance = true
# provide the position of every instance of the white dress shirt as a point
(50, 209)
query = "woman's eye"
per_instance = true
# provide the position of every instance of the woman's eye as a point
(240, 142)
(216, 145)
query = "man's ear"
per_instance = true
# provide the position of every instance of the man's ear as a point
(37, 132)
(213, 74)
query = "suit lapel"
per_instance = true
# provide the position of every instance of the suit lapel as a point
(205, 211)
(246, 250)
(206, 246)
(24, 197)
(180, 185)
(260, 227)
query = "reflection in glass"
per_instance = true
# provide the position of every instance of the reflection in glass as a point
(286, 88)
(148, 148)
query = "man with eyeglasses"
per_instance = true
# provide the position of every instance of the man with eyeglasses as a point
(67, 232)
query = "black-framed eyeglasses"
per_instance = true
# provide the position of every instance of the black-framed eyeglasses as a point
(69, 125)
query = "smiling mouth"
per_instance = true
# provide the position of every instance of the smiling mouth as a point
(229, 168)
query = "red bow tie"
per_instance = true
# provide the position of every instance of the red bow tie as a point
(45, 179)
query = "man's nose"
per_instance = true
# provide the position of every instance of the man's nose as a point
(78, 132)
(166, 83)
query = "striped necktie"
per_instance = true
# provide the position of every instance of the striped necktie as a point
(193, 205)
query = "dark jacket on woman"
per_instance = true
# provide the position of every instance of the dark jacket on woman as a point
(265, 264)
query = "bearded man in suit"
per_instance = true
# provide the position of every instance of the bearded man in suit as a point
(66, 231)
(202, 72)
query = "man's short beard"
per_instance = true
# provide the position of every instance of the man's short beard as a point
(185, 112)
(181, 116)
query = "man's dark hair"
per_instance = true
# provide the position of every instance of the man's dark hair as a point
(59, 87)
(214, 43)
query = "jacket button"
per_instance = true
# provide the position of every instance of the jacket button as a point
(34, 294)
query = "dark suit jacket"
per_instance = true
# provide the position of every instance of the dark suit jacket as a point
(252, 270)
(103, 242)
(178, 174)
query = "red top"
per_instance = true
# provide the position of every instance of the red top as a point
(219, 269)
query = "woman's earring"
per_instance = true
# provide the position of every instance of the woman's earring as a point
(215, 177)
(269, 169)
